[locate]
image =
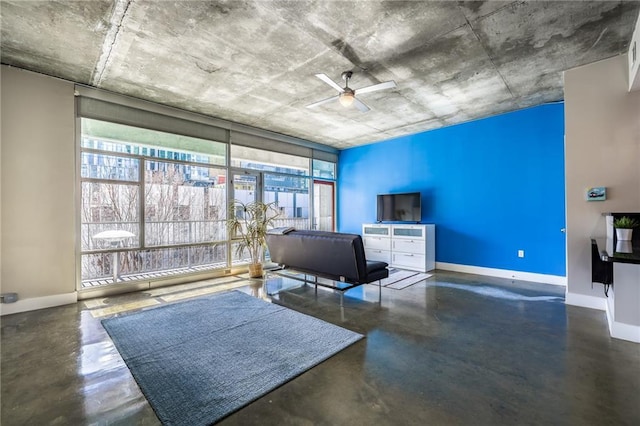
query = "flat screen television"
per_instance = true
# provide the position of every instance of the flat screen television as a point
(399, 207)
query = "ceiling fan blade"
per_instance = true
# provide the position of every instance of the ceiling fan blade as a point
(360, 105)
(324, 101)
(380, 86)
(330, 82)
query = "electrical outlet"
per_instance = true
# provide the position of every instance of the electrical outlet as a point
(520, 253)
(8, 297)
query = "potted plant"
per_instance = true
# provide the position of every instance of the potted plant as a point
(249, 223)
(624, 227)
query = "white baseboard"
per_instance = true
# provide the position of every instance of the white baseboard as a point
(620, 330)
(34, 303)
(503, 273)
(585, 301)
(617, 330)
(623, 331)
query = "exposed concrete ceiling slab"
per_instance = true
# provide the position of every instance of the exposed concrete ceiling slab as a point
(46, 36)
(253, 61)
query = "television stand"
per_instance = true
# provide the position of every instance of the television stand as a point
(405, 246)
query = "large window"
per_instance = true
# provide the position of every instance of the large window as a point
(154, 203)
(285, 181)
(150, 202)
(259, 159)
(324, 169)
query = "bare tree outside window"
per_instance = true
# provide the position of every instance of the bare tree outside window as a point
(184, 215)
(167, 194)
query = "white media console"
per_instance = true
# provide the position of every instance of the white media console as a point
(410, 247)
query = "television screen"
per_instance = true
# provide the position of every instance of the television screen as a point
(399, 207)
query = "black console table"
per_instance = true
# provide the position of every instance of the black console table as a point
(622, 259)
(619, 251)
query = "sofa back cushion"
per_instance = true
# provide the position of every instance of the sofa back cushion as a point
(334, 254)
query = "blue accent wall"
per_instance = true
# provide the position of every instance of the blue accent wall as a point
(492, 187)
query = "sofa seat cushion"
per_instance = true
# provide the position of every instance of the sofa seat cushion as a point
(376, 270)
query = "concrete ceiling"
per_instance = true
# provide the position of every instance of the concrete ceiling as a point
(253, 62)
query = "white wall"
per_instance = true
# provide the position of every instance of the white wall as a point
(38, 181)
(602, 148)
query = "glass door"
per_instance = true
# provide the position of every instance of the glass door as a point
(246, 187)
(324, 205)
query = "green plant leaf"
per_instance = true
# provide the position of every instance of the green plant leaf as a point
(250, 228)
(625, 222)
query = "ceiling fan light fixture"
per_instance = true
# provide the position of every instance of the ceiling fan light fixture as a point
(346, 95)
(346, 99)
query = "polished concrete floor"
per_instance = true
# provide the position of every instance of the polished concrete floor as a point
(455, 349)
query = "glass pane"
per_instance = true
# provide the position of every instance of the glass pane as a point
(323, 206)
(184, 204)
(114, 137)
(101, 166)
(292, 196)
(244, 189)
(404, 232)
(324, 169)
(177, 260)
(258, 159)
(376, 231)
(109, 216)
(98, 268)
(239, 257)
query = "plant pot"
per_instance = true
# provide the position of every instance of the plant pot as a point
(255, 270)
(624, 247)
(623, 234)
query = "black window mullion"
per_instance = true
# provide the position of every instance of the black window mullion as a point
(142, 195)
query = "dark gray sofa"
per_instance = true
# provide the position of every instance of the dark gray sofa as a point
(337, 256)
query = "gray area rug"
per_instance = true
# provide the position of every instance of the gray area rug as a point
(198, 361)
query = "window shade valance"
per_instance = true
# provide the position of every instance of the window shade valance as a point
(102, 105)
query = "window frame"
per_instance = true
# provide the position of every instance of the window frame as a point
(99, 105)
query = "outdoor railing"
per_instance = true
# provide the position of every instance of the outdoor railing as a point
(198, 243)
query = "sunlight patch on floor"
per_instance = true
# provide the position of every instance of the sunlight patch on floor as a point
(124, 307)
(499, 293)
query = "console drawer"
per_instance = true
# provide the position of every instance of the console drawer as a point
(410, 246)
(408, 231)
(381, 230)
(378, 255)
(378, 243)
(409, 261)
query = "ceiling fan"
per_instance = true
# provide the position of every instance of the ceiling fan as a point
(347, 96)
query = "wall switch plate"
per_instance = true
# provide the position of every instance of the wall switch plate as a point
(520, 253)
